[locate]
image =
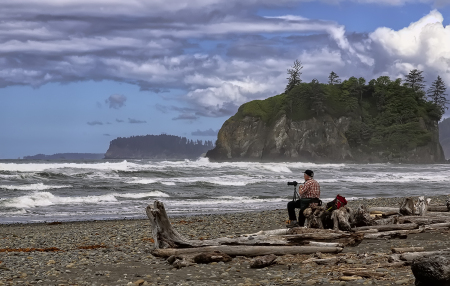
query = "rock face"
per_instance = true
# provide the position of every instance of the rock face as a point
(319, 139)
(432, 270)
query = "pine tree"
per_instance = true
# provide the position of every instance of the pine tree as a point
(333, 78)
(294, 75)
(415, 80)
(437, 94)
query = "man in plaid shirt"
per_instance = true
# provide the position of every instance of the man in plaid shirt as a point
(309, 196)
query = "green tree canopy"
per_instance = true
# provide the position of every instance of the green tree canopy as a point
(294, 75)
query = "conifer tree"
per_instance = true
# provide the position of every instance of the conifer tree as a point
(415, 80)
(294, 75)
(437, 94)
(333, 78)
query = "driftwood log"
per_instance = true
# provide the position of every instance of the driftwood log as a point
(251, 251)
(350, 227)
(168, 242)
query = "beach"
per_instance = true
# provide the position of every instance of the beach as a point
(118, 252)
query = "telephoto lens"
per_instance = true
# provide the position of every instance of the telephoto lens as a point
(294, 183)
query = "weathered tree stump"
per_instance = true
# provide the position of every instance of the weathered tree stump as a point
(407, 206)
(361, 217)
(341, 218)
(317, 217)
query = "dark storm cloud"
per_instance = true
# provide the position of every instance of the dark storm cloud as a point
(135, 121)
(92, 123)
(161, 47)
(208, 132)
(116, 101)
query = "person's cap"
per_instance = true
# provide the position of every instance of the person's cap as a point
(309, 173)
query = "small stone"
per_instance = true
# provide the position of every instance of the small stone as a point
(402, 281)
(311, 282)
(139, 282)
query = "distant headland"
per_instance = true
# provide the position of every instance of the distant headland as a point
(157, 147)
(66, 156)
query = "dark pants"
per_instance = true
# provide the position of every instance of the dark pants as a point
(301, 204)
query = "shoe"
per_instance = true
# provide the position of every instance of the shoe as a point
(292, 224)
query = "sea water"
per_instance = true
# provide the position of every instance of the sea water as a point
(43, 191)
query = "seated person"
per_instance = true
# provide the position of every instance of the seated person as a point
(309, 197)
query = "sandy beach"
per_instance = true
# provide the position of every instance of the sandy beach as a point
(119, 253)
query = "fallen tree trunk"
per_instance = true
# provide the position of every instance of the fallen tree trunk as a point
(422, 220)
(436, 208)
(166, 237)
(250, 251)
(438, 225)
(383, 209)
(392, 234)
(406, 226)
(410, 256)
(407, 249)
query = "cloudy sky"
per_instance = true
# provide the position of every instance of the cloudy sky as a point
(76, 74)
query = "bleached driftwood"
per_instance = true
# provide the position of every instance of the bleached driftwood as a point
(406, 226)
(341, 218)
(250, 251)
(392, 234)
(407, 206)
(361, 217)
(383, 209)
(437, 208)
(166, 237)
(407, 249)
(429, 219)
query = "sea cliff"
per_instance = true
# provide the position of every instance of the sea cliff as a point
(343, 127)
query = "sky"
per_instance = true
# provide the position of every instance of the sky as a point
(76, 74)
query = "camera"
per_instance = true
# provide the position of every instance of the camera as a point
(294, 183)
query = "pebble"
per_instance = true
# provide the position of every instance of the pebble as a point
(119, 253)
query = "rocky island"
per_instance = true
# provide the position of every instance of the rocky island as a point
(156, 147)
(383, 121)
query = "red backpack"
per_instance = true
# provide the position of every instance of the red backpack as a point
(337, 203)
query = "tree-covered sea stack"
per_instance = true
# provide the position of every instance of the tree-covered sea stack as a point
(383, 120)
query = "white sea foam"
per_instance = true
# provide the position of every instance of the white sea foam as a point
(225, 200)
(40, 167)
(168, 183)
(142, 181)
(143, 195)
(40, 199)
(33, 187)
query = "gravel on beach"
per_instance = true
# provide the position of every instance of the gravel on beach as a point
(119, 253)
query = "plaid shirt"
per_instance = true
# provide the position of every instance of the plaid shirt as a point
(310, 189)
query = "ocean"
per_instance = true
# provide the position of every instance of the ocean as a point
(47, 191)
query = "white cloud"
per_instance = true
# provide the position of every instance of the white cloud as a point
(424, 44)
